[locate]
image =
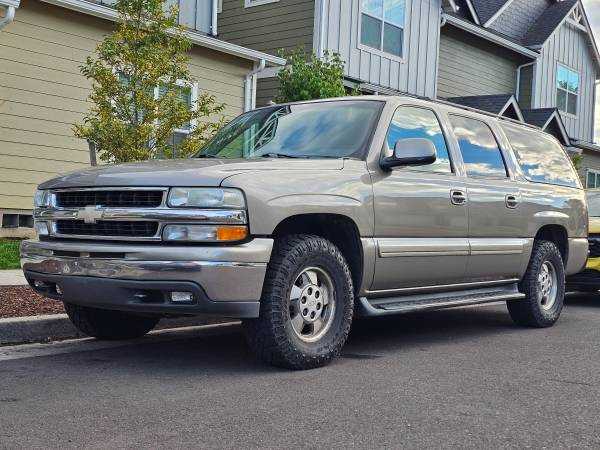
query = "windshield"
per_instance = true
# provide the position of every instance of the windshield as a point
(593, 199)
(334, 129)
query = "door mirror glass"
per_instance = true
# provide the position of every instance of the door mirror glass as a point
(411, 152)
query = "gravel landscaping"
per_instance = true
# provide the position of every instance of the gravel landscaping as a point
(20, 301)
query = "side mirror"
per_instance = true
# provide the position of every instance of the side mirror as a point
(410, 152)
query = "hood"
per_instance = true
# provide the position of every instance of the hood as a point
(182, 172)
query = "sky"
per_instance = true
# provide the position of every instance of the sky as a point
(592, 8)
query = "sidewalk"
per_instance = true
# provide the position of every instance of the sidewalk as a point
(12, 278)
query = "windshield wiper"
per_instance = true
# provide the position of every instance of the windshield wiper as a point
(279, 155)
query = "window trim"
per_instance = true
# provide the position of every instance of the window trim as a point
(596, 174)
(453, 170)
(251, 3)
(557, 87)
(498, 144)
(379, 52)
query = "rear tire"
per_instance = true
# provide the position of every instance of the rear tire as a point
(307, 305)
(109, 325)
(544, 287)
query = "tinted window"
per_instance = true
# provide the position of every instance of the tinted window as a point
(333, 129)
(479, 148)
(541, 157)
(412, 122)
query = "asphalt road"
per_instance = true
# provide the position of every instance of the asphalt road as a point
(454, 378)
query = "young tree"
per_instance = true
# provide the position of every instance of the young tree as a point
(307, 77)
(140, 88)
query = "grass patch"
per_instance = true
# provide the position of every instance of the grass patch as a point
(9, 254)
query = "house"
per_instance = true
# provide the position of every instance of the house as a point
(530, 60)
(539, 56)
(42, 93)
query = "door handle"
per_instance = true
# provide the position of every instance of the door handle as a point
(511, 201)
(458, 197)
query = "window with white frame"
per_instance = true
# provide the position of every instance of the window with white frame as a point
(382, 25)
(567, 89)
(188, 94)
(592, 179)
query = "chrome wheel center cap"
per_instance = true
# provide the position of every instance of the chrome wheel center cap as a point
(311, 303)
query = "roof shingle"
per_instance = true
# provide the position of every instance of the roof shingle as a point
(486, 9)
(490, 103)
(541, 30)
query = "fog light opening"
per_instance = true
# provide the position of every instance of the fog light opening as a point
(59, 289)
(182, 297)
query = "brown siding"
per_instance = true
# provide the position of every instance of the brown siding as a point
(42, 94)
(470, 66)
(286, 24)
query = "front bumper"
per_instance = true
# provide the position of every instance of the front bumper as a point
(225, 280)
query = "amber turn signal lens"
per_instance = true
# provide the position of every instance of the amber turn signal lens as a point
(232, 233)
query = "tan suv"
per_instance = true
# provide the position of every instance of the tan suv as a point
(297, 217)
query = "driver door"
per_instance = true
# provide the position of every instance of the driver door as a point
(421, 217)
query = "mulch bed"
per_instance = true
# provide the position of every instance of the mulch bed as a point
(19, 301)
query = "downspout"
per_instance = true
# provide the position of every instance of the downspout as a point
(213, 19)
(250, 86)
(8, 17)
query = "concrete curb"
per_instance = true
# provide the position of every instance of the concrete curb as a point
(19, 330)
(36, 329)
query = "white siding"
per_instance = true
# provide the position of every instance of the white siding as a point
(415, 73)
(569, 46)
(194, 14)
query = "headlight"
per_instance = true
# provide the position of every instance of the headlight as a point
(204, 233)
(42, 199)
(206, 198)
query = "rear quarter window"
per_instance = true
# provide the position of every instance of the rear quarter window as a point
(541, 157)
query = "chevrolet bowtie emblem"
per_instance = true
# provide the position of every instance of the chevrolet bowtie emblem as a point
(90, 214)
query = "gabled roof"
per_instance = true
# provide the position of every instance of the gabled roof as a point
(486, 9)
(549, 120)
(550, 19)
(501, 105)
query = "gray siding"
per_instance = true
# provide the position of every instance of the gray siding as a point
(470, 66)
(194, 14)
(266, 91)
(415, 73)
(589, 160)
(570, 47)
(518, 17)
(286, 24)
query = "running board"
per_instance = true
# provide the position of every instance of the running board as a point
(425, 302)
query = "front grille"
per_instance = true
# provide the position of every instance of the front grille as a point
(107, 228)
(110, 199)
(594, 241)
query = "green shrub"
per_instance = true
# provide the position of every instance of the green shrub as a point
(307, 77)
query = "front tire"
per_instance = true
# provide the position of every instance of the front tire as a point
(109, 325)
(307, 305)
(544, 287)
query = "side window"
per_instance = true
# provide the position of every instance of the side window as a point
(541, 157)
(479, 148)
(413, 122)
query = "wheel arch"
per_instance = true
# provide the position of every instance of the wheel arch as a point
(558, 235)
(339, 229)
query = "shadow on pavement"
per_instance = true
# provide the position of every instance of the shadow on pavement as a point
(227, 353)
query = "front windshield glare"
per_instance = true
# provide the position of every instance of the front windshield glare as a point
(306, 130)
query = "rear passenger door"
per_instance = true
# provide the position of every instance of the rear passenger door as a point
(496, 226)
